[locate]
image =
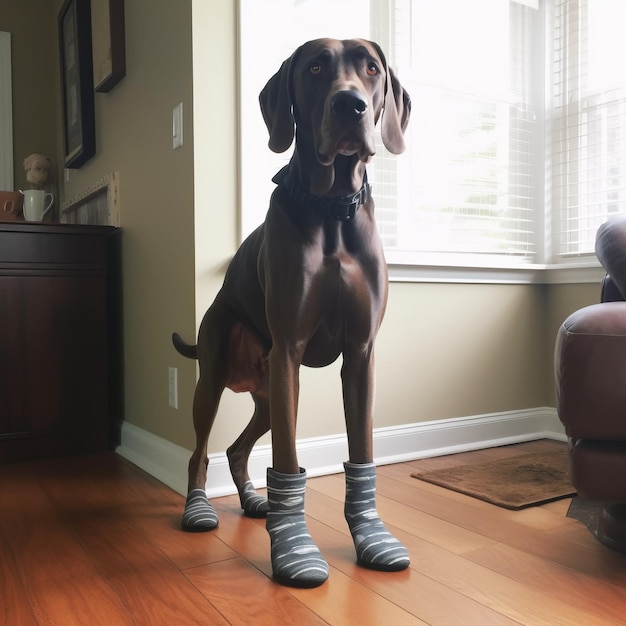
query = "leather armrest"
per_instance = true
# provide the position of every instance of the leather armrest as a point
(590, 372)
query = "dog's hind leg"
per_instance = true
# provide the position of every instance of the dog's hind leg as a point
(199, 515)
(253, 505)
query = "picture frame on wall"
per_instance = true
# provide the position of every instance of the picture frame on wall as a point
(108, 43)
(77, 91)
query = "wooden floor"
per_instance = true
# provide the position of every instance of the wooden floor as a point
(94, 540)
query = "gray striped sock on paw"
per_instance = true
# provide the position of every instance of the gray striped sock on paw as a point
(199, 515)
(296, 561)
(376, 547)
(253, 504)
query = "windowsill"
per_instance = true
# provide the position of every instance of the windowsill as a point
(587, 271)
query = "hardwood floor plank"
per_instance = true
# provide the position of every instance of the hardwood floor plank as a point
(14, 603)
(343, 602)
(435, 603)
(146, 586)
(453, 571)
(184, 549)
(431, 528)
(558, 508)
(573, 546)
(95, 540)
(578, 590)
(537, 446)
(427, 497)
(518, 601)
(387, 597)
(140, 498)
(449, 460)
(246, 536)
(348, 603)
(150, 587)
(422, 598)
(56, 572)
(482, 456)
(243, 595)
(568, 543)
(414, 592)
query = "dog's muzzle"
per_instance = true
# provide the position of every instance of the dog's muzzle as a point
(346, 127)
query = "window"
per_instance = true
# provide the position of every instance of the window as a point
(468, 184)
(589, 120)
(493, 161)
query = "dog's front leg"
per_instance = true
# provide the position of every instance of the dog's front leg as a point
(357, 376)
(376, 548)
(296, 560)
(284, 364)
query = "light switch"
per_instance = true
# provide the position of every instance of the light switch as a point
(177, 126)
(173, 386)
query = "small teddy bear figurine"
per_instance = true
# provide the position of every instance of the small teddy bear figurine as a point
(38, 170)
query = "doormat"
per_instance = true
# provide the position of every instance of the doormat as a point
(514, 483)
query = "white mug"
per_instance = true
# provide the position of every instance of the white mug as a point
(35, 208)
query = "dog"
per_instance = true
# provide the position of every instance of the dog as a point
(308, 285)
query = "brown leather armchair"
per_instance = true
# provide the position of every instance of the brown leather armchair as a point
(590, 373)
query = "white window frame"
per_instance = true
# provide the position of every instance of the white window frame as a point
(439, 268)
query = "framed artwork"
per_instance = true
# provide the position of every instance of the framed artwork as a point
(108, 43)
(77, 92)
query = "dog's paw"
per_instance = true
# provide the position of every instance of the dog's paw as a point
(199, 515)
(252, 503)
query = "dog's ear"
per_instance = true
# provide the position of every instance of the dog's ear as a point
(396, 110)
(396, 114)
(275, 101)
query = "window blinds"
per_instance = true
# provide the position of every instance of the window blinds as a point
(589, 120)
(467, 184)
(478, 179)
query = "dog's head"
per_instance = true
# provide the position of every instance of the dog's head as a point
(335, 92)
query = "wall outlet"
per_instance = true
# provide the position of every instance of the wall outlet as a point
(173, 386)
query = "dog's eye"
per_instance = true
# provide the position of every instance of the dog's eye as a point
(315, 69)
(371, 69)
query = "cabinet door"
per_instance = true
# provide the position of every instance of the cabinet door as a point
(53, 365)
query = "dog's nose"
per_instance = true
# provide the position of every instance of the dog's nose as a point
(350, 105)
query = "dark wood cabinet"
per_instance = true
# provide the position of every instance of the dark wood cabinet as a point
(60, 340)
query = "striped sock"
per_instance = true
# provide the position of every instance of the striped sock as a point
(296, 561)
(199, 515)
(376, 547)
(253, 505)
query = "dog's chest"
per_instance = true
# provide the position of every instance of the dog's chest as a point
(347, 268)
(342, 241)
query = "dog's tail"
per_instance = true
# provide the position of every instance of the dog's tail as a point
(186, 349)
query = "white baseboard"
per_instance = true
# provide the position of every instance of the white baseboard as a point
(325, 455)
